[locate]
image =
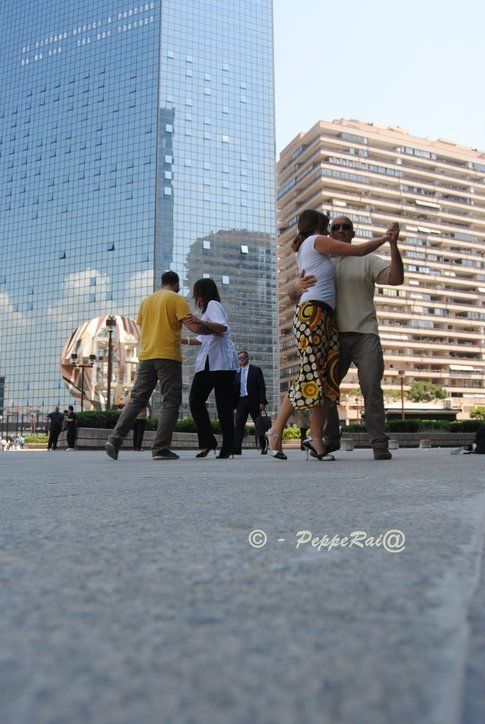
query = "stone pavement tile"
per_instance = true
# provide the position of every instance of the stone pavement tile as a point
(473, 699)
(129, 591)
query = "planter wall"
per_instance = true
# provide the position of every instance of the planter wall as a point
(94, 438)
(408, 439)
(90, 438)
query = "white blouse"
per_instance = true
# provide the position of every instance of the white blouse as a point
(322, 267)
(220, 350)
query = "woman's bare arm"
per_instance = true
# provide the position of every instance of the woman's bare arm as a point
(327, 245)
(203, 327)
(190, 341)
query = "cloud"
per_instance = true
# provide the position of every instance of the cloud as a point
(139, 285)
(11, 322)
(87, 281)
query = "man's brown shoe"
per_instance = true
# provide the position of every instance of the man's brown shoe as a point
(381, 452)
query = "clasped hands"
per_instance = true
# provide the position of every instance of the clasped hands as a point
(305, 281)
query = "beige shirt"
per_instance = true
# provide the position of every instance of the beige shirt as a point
(355, 280)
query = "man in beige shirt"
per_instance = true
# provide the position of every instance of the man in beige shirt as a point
(355, 280)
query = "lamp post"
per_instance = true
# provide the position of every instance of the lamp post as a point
(75, 363)
(110, 324)
(401, 374)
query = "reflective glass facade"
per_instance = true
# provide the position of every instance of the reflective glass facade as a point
(135, 138)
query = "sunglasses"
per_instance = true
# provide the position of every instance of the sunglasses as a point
(242, 356)
(344, 227)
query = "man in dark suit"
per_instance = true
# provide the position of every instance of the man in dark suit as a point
(250, 397)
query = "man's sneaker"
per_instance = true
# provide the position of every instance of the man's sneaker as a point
(381, 452)
(165, 455)
(111, 450)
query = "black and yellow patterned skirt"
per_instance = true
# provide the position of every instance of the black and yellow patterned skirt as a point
(318, 347)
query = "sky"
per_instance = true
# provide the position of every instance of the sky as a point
(418, 64)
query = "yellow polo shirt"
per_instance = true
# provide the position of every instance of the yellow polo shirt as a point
(160, 318)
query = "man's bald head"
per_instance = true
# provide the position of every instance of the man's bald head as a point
(342, 229)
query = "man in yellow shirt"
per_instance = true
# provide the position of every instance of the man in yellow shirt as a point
(160, 317)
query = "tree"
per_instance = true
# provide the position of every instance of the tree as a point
(391, 395)
(478, 413)
(424, 391)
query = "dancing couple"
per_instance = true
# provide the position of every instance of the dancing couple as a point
(316, 386)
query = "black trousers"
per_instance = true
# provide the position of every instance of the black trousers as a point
(244, 408)
(71, 436)
(138, 432)
(53, 438)
(222, 382)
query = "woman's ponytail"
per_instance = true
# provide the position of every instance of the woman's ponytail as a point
(310, 222)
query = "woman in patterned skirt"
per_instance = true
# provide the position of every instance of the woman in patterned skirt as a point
(316, 386)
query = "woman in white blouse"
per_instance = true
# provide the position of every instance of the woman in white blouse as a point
(215, 369)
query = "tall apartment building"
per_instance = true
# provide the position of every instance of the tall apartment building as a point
(129, 132)
(432, 327)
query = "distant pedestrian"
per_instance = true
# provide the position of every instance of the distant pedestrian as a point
(301, 420)
(480, 441)
(21, 441)
(56, 419)
(71, 428)
(251, 399)
(139, 428)
(478, 445)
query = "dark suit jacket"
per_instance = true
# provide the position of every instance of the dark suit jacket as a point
(256, 386)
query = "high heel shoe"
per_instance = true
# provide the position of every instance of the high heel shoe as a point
(277, 454)
(310, 450)
(204, 453)
(224, 454)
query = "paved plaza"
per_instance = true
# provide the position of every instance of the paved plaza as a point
(130, 592)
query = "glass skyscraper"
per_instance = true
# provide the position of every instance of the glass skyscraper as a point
(134, 138)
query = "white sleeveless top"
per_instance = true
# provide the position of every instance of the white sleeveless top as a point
(322, 267)
(220, 351)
